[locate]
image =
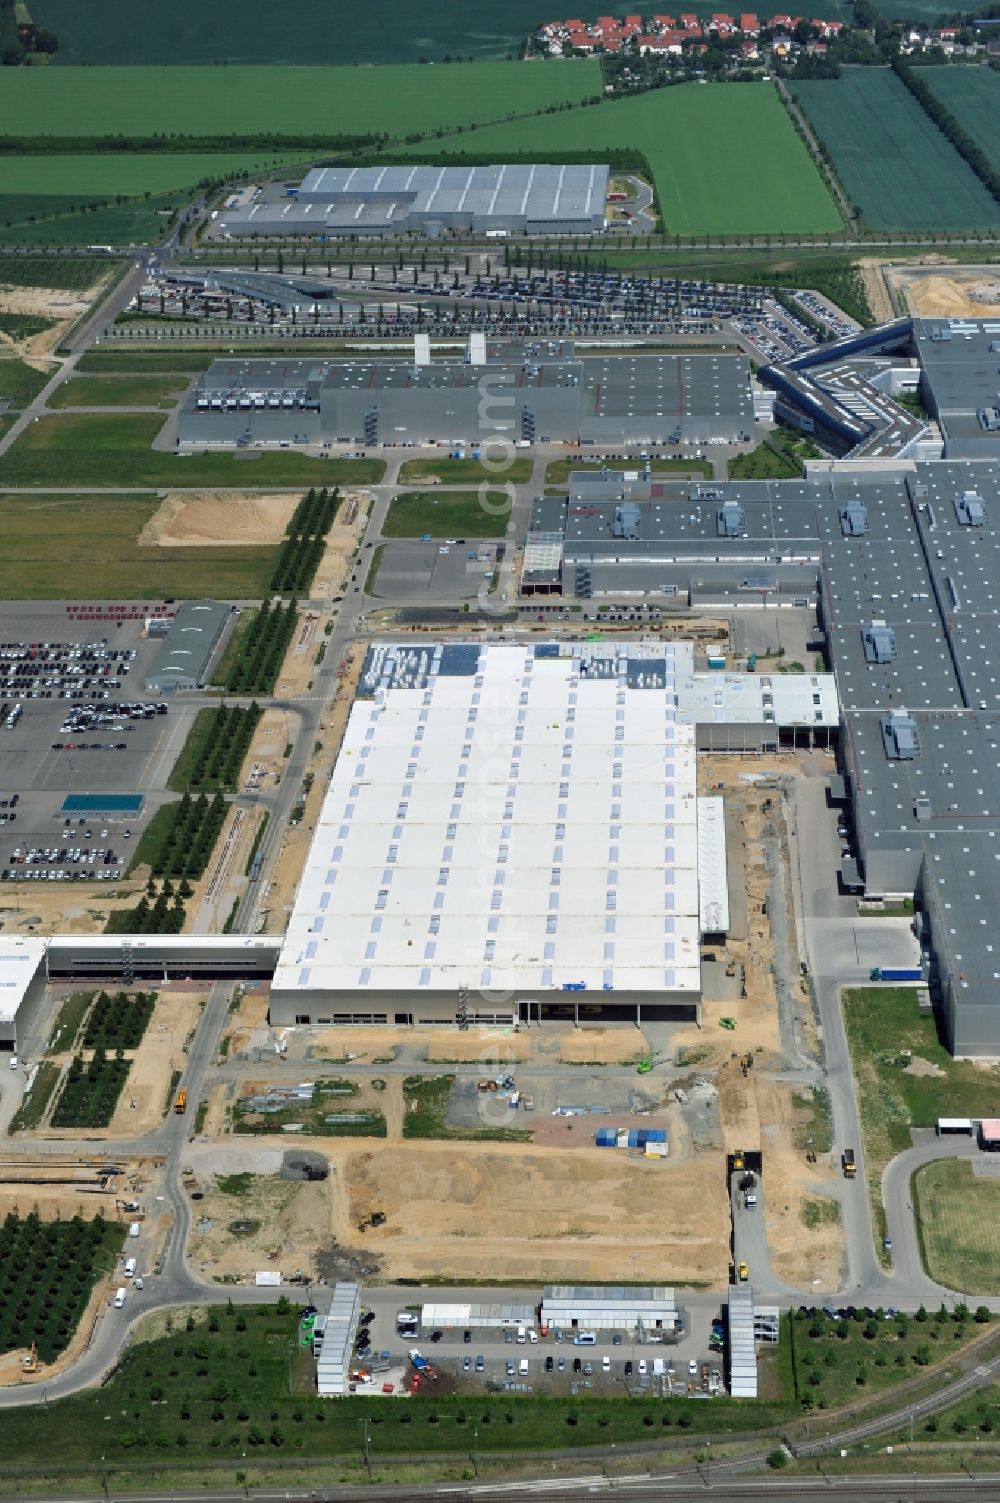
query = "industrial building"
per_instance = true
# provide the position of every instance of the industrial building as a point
(528, 198)
(652, 1313)
(22, 987)
(186, 651)
(521, 390)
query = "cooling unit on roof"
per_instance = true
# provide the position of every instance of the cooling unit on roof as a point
(730, 520)
(879, 642)
(854, 519)
(970, 510)
(626, 523)
(899, 736)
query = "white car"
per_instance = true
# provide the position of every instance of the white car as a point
(606, 1364)
(13, 1061)
(642, 1365)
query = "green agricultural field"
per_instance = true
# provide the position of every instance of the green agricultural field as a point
(446, 514)
(145, 362)
(725, 160)
(893, 162)
(112, 31)
(51, 542)
(93, 175)
(396, 101)
(973, 97)
(58, 220)
(84, 449)
(959, 1224)
(119, 391)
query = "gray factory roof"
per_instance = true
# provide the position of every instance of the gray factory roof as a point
(961, 365)
(186, 650)
(692, 522)
(536, 190)
(669, 385)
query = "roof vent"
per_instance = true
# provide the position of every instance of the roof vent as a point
(899, 736)
(922, 808)
(970, 510)
(626, 523)
(854, 519)
(879, 642)
(730, 520)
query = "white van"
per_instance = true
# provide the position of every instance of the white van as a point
(585, 1338)
(130, 1266)
(120, 1298)
(133, 1230)
(522, 1335)
(522, 1367)
(532, 1335)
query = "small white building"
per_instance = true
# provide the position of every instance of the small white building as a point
(609, 1307)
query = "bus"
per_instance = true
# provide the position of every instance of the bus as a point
(180, 1105)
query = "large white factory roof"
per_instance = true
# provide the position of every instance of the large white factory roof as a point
(504, 817)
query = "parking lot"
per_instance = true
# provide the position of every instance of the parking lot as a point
(78, 720)
(616, 1362)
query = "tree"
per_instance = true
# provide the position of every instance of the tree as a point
(777, 1459)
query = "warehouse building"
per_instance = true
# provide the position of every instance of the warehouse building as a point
(521, 390)
(509, 833)
(651, 1313)
(183, 658)
(463, 1316)
(529, 198)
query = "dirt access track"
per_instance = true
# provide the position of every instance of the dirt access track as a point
(470, 1210)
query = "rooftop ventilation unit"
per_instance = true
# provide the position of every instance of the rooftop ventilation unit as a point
(922, 808)
(626, 523)
(730, 520)
(989, 419)
(854, 519)
(970, 510)
(707, 493)
(879, 642)
(899, 736)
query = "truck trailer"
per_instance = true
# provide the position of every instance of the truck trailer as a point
(896, 973)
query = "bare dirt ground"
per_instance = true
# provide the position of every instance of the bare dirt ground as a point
(472, 1210)
(967, 292)
(142, 1102)
(47, 302)
(802, 1255)
(878, 298)
(285, 1223)
(300, 660)
(288, 867)
(206, 519)
(602, 1046)
(471, 1044)
(65, 911)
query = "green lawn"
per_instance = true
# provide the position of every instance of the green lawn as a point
(145, 362)
(725, 160)
(52, 542)
(465, 471)
(19, 383)
(32, 1109)
(959, 1225)
(279, 100)
(69, 1022)
(119, 391)
(447, 513)
(86, 449)
(763, 463)
(894, 163)
(558, 472)
(217, 1386)
(882, 1024)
